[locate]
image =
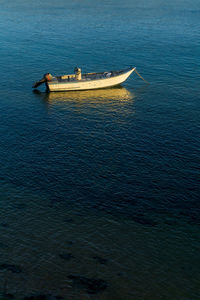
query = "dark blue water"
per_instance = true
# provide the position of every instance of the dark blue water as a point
(100, 184)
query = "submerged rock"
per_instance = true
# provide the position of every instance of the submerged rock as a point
(144, 221)
(36, 297)
(2, 245)
(8, 296)
(12, 268)
(20, 205)
(102, 261)
(68, 220)
(4, 224)
(69, 243)
(91, 285)
(120, 274)
(66, 256)
(170, 222)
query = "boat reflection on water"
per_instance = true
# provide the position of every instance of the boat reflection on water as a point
(101, 96)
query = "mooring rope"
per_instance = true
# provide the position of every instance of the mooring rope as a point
(140, 76)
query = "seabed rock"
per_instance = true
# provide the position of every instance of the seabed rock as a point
(12, 268)
(36, 297)
(4, 225)
(144, 221)
(91, 285)
(101, 260)
(66, 256)
(2, 245)
(68, 220)
(8, 296)
(21, 205)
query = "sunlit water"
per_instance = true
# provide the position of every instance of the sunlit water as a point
(100, 184)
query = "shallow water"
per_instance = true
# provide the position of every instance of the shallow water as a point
(100, 184)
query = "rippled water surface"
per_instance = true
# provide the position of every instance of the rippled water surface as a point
(99, 190)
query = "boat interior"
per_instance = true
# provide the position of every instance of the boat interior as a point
(88, 76)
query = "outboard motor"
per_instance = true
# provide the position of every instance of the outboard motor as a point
(46, 77)
(77, 72)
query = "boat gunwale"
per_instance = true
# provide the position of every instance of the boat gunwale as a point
(65, 81)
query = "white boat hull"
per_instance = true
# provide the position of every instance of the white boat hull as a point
(65, 85)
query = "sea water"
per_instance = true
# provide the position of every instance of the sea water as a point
(99, 195)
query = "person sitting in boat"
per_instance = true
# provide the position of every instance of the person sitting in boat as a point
(107, 74)
(77, 72)
(48, 77)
